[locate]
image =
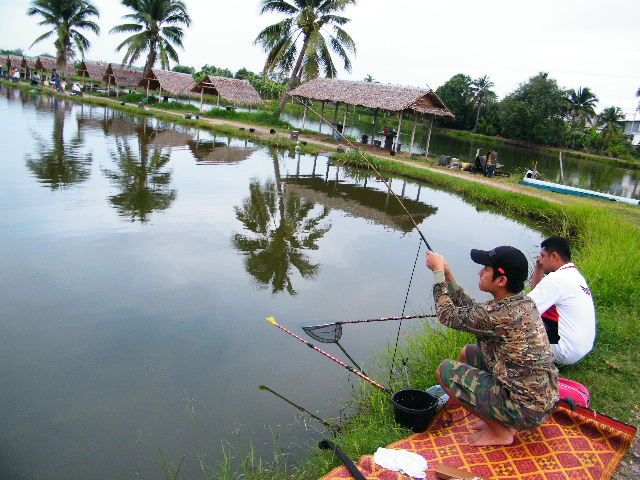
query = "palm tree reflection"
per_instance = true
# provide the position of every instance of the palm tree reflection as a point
(141, 177)
(60, 163)
(284, 226)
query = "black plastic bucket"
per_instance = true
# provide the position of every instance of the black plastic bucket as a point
(414, 409)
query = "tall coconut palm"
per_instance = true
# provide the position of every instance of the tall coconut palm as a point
(581, 106)
(298, 45)
(67, 18)
(609, 121)
(481, 91)
(156, 28)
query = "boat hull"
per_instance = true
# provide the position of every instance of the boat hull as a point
(580, 192)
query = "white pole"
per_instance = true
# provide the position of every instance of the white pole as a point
(428, 137)
(218, 101)
(398, 134)
(561, 169)
(201, 98)
(344, 119)
(413, 134)
(147, 87)
(321, 117)
(304, 117)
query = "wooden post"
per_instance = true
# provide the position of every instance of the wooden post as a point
(413, 134)
(335, 113)
(83, 80)
(304, 117)
(147, 88)
(201, 98)
(426, 150)
(160, 95)
(218, 101)
(398, 145)
(321, 117)
(108, 86)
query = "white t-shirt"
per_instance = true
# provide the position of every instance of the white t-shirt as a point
(568, 291)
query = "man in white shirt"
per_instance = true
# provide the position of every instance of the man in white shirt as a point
(564, 301)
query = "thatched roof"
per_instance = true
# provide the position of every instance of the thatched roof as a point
(14, 61)
(231, 89)
(359, 201)
(30, 63)
(92, 70)
(122, 77)
(373, 95)
(170, 138)
(175, 83)
(210, 153)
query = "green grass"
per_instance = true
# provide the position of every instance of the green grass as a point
(254, 118)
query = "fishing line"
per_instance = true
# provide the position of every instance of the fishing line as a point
(376, 171)
(395, 348)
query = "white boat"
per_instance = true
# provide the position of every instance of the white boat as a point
(580, 192)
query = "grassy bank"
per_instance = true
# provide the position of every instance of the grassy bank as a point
(605, 244)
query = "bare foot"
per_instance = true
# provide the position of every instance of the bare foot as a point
(478, 424)
(490, 436)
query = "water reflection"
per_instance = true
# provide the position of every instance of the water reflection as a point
(60, 163)
(284, 225)
(355, 196)
(141, 176)
(216, 153)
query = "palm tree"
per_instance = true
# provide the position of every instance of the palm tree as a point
(481, 91)
(581, 105)
(60, 163)
(306, 21)
(66, 17)
(156, 31)
(143, 181)
(609, 119)
(283, 228)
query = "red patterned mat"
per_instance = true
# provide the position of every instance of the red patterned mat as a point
(571, 445)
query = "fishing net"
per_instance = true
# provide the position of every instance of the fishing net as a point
(329, 333)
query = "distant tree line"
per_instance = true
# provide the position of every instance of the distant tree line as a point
(269, 88)
(538, 111)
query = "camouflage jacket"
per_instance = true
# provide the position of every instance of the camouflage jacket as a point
(512, 340)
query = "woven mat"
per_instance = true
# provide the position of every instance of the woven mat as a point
(571, 445)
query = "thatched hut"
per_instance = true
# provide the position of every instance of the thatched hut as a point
(92, 70)
(29, 65)
(172, 83)
(391, 98)
(231, 89)
(48, 64)
(14, 61)
(121, 77)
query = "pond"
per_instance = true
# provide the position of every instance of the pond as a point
(570, 170)
(140, 260)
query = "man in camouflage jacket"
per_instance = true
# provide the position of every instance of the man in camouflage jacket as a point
(508, 379)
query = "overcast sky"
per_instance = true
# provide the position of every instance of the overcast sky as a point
(413, 42)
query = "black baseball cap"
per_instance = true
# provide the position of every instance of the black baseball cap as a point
(509, 261)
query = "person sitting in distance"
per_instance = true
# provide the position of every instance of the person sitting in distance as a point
(508, 379)
(564, 298)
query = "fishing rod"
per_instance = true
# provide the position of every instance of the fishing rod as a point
(388, 185)
(381, 319)
(353, 470)
(302, 409)
(272, 321)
